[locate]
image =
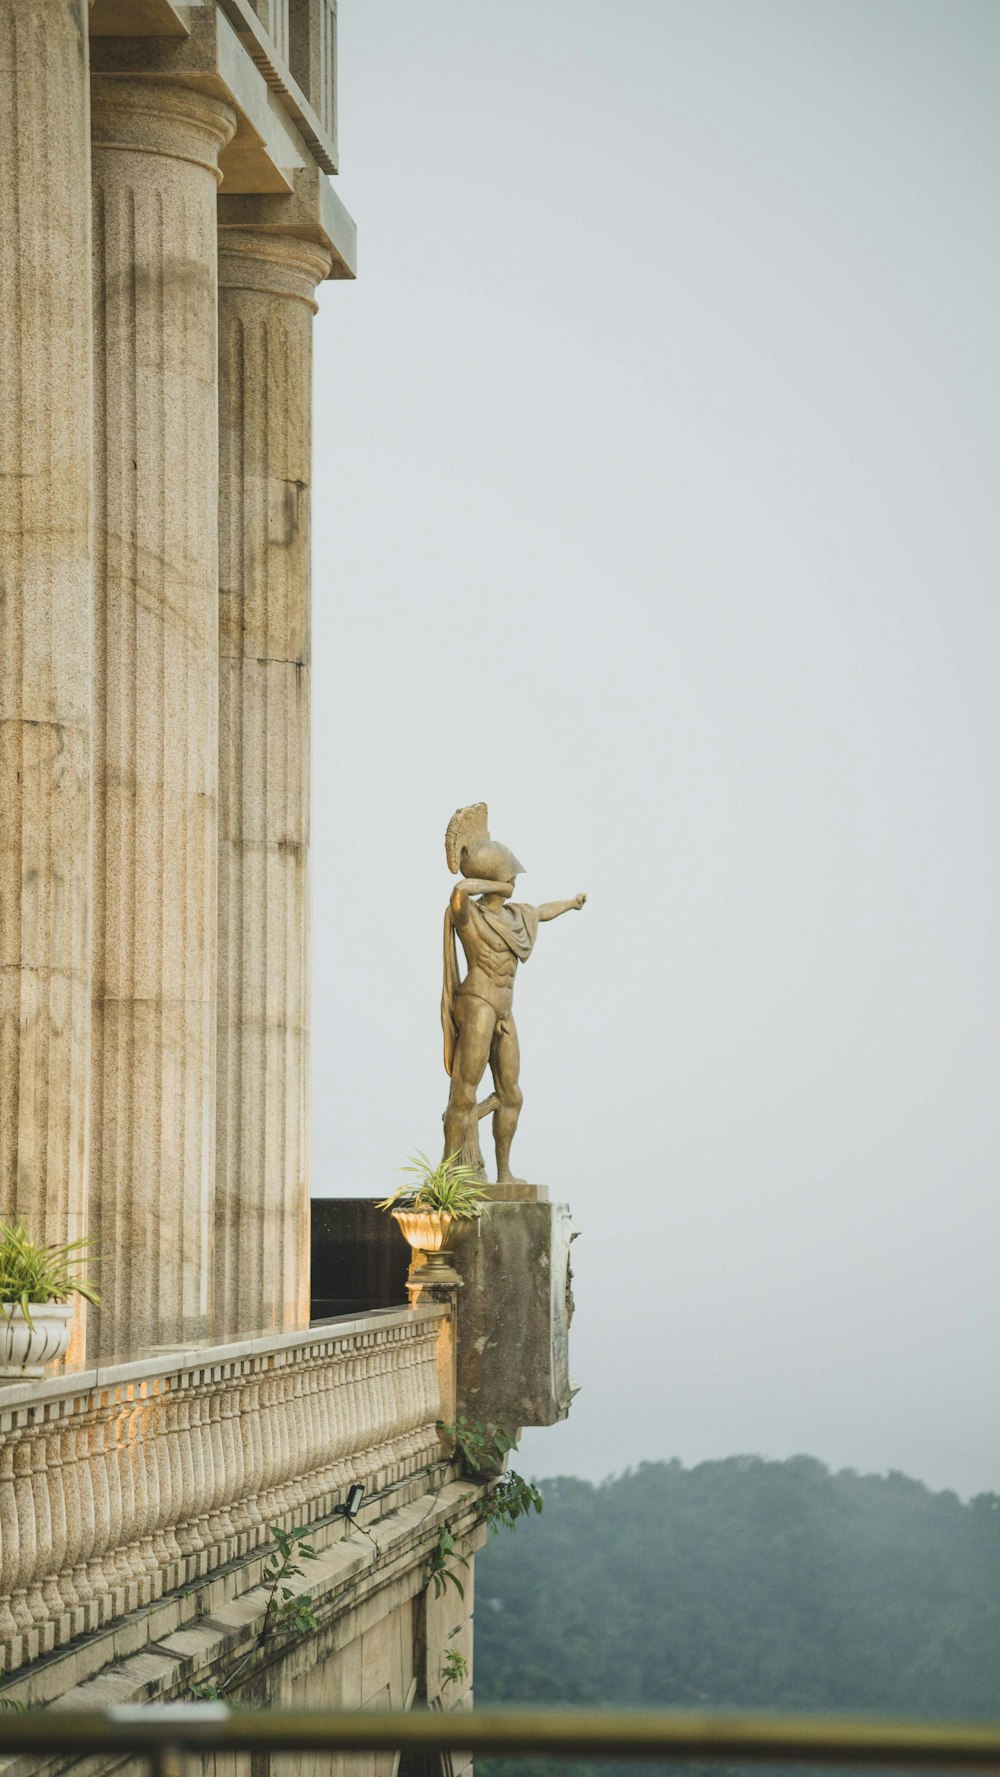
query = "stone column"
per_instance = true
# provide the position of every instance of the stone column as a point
(45, 616)
(266, 285)
(155, 150)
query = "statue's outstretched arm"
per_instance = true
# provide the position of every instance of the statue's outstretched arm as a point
(552, 909)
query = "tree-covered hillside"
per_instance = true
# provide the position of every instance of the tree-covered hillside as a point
(746, 1583)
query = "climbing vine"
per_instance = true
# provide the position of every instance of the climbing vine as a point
(287, 1611)
(482, 1450)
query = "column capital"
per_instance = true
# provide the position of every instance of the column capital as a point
(311, 211)
(165, 117)
(272, 264)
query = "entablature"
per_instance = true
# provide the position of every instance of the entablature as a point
(274, 61)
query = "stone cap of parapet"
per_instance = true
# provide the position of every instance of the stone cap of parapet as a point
(353, 1332)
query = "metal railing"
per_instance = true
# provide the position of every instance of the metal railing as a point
(166, 1734)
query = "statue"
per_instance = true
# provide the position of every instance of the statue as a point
(496, 934)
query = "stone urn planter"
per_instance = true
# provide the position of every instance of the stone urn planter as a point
(433, 1233)
(39, 1284)
(439, 1208)
(26, 1348)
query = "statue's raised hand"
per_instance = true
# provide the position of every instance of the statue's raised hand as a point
(578, 901)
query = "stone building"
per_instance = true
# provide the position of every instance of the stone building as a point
(166, 216)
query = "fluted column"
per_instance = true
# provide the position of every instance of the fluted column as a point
(45, 615)
(155, 152)
(266, 286)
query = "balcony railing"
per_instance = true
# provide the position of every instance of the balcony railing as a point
(120, 1484)
(165, 1733)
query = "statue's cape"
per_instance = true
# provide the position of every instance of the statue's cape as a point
(518, 934)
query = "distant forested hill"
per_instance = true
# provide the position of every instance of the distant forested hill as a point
(746, 1583)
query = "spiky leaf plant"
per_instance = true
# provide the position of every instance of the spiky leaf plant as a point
(32, 1272)
(450, 1186)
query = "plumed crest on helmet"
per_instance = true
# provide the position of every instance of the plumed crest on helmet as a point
(466, 827)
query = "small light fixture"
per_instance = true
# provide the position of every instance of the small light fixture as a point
(350, 1509)
(352, 1505)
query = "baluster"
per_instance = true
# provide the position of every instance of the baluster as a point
(10, 1551)
(171, 1468)
(188, 1524)
(270, 1449)
(394, 1358)
(158, 1479)
(313, 1430)
(431, 1402)
(326, 1434)
(237, 1478)
(352, 1368)
(401, 1378)
(299, 1465)
(81, 1528)
(135, 1490)
(215, 1474)
(148, 1487)
(338, 1422)
(284, 1441)
(227, 1479)
(383, 1413)
(204, 1475)
(270, 1400)
(371, 1395)
(422, 1408)
(37, 1604)
(119, 1506)
(427, 1398)
(23, 1603)
(254, 1455)
(62, 1460)
(101, 1568)
(50, 1515)
(404, 1398)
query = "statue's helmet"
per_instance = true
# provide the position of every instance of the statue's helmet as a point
(469, 848)
(490, 861)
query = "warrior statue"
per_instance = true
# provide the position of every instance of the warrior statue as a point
(496, 934)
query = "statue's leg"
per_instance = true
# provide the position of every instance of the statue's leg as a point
(475, 1020)
(505, 1061)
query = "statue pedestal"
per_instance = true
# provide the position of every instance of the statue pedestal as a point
(513, 1315)
(518, 1191)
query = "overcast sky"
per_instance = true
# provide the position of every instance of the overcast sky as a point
(657, 505)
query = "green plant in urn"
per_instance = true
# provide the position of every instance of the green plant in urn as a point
(434, 1208)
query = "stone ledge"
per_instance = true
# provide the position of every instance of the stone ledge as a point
(157, 1654)
(229, 1589)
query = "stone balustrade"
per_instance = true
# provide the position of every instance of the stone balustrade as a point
(123, 1483)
